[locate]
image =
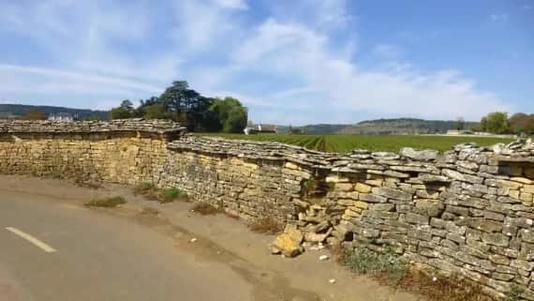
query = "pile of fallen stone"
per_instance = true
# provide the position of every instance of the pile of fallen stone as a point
(410, 173)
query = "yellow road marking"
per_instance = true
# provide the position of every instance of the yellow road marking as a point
(41, 245)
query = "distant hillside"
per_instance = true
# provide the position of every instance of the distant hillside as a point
(324, 128)
(317, 129)
(387, 126)
(16, 110)
(403, 126)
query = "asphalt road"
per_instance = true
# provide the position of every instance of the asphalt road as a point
(79, 254)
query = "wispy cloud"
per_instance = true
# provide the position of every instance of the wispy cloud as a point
(201, 25)
(387, 51)
(299, 56)
(330, 79)
(69, 80)
(234, 4)
(498, 17)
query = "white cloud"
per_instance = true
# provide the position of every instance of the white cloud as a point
(331, 80)
(202, 24)
(83, 62)
(498, 17)
(233, 4)
(387, 51)
(321, 15)
(292, 61)
(22, 80)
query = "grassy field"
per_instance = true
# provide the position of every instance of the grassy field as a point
(346, 143)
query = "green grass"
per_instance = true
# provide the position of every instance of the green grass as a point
(366, 262)
(390, 269)
(171, 194)
(151, 192)
(144, 188)
(346, 143)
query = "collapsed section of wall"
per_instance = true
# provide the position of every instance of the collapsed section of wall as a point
(468, 211)
(248, 179)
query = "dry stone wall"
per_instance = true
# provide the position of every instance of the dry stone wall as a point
(467, 211)
(122, 151)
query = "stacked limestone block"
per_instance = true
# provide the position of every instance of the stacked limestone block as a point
(119, 151)
(468, 211)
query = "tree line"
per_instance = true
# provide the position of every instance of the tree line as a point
(500, 123)
(188, 107)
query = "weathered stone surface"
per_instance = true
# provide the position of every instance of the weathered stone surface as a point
(288, 243)
(291, 165)
(134, 125)
(392, 193)
(360, 187)
(419, 155)
(395, 174)
(344, 186)
(485, 225)
(527, 235)
(433, 178)
(413, 218)
(495, 239)
(372, 198)
(462, 177)
(429, 207)
(315, 237)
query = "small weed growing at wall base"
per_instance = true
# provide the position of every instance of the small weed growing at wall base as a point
(266, 225)
(309, 186)
(390, 269)
(151, 192)
(205, 209)
(88, 184)
(440, 288)
(110, 202)
(387, 264)
(514, 294)
(147, 190)
(171, 194)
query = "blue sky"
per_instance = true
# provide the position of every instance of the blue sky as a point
(291, 62)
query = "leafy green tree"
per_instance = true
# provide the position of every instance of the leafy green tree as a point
(236, 121)
(179, 103)
(154, 111)
(185, 105)
(125, 110)
(227, 115)
(522, 123)
(496, 122)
